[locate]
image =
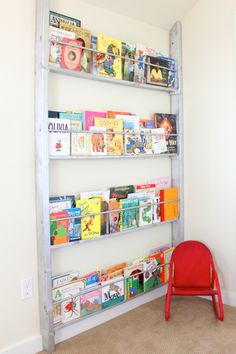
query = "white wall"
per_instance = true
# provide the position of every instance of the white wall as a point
(20, 319)
(210, 125)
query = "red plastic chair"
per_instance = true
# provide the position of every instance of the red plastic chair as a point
(192, 273)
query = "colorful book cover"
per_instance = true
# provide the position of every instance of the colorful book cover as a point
(91, 279)
(168, 122)
(150, 275)
(55, 49)
(90, 225)
(57, 20)
(114, 218)
(129, 217)
(149, 124)
(114, 141)
(167, 257)
(160, 260)
(91, 302)
(146, 139)
(134, 282)
(63, 279)
(104, 218)
(156, 209)
(104, 195)
(134, 142)
(74, 224)
(115, 269)
(145, 212)
(112, 114)
(79, 144)
(71, 56)
(59, 230)
(108, 64)
(60, 203)
(89, 118)
(70, 309)
(128, 51)
(169, 210)
(159, 145)
(148, 188)
(121, 192)
(112, 292)
(71, 289)
(76, 120)
(129, 121)
(139, 67)
(98, 140)
(94, 69)
(58, 137)
(161, 71)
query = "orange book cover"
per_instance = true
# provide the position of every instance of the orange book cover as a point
(170, 210)
(112, 114)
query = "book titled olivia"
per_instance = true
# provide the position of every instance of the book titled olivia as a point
(58, 137)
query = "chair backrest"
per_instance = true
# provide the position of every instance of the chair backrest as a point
(192, 262)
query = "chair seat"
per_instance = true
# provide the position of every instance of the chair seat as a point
(193, 291)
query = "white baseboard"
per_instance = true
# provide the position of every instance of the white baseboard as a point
(229, 298)
(30, 346)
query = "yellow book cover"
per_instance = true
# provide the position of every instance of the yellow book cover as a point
(170, 210)
(107, 64)
(90, 225)
(167, 257)
(114, 142)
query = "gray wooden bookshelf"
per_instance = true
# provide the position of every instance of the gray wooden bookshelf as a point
(42, 72)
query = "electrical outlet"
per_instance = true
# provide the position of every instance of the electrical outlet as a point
(26, 288)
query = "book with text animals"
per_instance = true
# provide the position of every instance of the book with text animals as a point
(80, 144)
(139, 66)
(74, 224)
(91, 224)
(57, 20)
(89, 118)
(114, 218)
(169, 210)
(167, 257)
(129, 121)
(151, 277)
(114, 141)
(121, 192)
(112, 292)
(134, 281)
(145, 212)
(160, 260)
(128, 51)
(91, 302)
(129, 217)
(159, 145)
(55, 48)
(98, 140)
(169, 123)
(109, 64)
(70, 55)
(58, 137)
(112, 114)
(59, 229)
(60, 203)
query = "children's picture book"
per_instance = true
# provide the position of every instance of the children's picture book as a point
(108, 64)
(74, 224)
(112, 292)
(104, 218)
(56, 313)
(149, 124)
(90, 225)
(72, 289)
(55, 48)
(114, 141)
(89, 118)
(91, 279)
(128, 51)
(151, 278)
(167, 257)
(129, 217)
(134, 142)
(160, 260)
(60, 203)
(169, 210)
(139, 66)
(104, 195)
(65, 278)
(58, 137)
(94, 69)
(159, 145)
(59, 230)
(70, 309)
(168, 122)
(148, 188)
(91, 302)
(161, 71)
(146, 140)
(57, 20)
(129, 121)
(113, 271)
(156, 209)
(113, 114)
(145, 212)
(98, 140)
(76, 120)
(71, 56)
(121, 192)
(114, 218)
(80, 144)
(134, 282)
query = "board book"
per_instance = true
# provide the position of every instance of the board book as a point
(90, 225)
(168, 122)
(108, 64)
(134, 282)
(112, 292)
(58, 137)
(55, 48)
(114, 141)
(59, 230)
(91, 302)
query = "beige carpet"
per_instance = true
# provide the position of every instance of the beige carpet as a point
(191, 329)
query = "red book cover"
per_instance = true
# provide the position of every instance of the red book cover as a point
(71, 56)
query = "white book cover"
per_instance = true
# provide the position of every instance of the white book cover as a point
(58, 32)
(146, 139)
(129, 121)
(137, 195)
(58, 137)
(145, 212)
(98, 140)
(79, 144)
(70, 309)
(64, 279)
(55, 207)
(71, 289)
(105, 195)
(156, 210)
(158, 141)
(55, 49)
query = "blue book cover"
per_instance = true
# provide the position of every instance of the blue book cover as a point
(74, 224)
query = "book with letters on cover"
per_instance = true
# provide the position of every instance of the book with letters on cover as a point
(55, 48)
(60, 203)
(159, 145)
(98, 140)
(168, 122)
(89, 118)
(108, 64)
(90, 225)
(59, 230)
(57, 20)
(58, 137)
(112, 292)
(114, 141)
(169, 210)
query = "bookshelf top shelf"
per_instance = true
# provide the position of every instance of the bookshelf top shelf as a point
(82, 75)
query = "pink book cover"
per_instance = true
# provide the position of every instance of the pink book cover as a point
(89, 118)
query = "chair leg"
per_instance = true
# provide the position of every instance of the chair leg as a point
(219, 310)
(167, 307)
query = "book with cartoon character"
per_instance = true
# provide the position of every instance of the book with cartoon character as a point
(114, 141)
(98, 141)
(134, 282)
(128, 51)
(58, 137)
(112, 292)
(91, 302)
(169, 123)
(90, 225)
(59, 230)
(129, 217)
(139, 66)
(108, 64)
